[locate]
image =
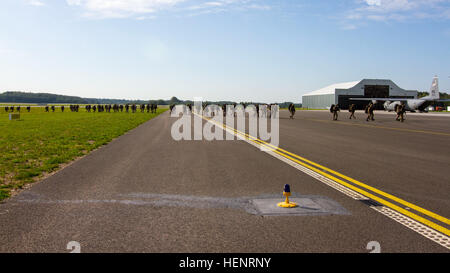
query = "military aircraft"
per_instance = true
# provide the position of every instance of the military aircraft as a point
(391, 104)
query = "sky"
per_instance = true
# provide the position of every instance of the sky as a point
(238, 50)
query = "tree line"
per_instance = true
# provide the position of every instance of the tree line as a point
(442, 96)
(46, 98)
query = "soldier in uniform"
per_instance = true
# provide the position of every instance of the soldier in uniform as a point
(366, 110)
(352, 109)
(400, 112)
(335, 109)
(190, 107)
(369, 111)
(292, 110)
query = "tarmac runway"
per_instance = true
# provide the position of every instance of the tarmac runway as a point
(145, 192)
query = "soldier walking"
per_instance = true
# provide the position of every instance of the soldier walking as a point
(352, 109)
(400, 113)
(291, 110)
(369, 111)
(335, 109)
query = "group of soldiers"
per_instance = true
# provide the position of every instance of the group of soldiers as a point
(11, 108)
(206, 110)
(96, 108)
(53, 108)
(73, 108)
(369, 111)
(150, 107)
(399, 109)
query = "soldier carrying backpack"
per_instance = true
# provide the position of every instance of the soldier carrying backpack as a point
(335, 109)
(400, 112)
(369, 111)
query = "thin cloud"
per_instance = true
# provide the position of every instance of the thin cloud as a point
(140, 9)
(122, 8)
(36, 3)
(220, 6)
(396, 10)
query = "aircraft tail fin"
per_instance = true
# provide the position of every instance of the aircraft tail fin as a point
(434, 90)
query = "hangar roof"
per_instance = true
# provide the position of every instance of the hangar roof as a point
(331, 88)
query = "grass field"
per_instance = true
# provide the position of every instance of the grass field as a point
(40, 142)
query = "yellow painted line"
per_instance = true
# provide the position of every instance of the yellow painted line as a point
(381, 127)
(373, 197)
(380, 200)
(387, 195)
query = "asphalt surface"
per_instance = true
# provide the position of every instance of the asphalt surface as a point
(145, 192)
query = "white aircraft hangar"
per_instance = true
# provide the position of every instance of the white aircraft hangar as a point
(340, 93)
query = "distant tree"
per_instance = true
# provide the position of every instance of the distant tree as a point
(174, 100)
(27, 97)
(422, 94)
(287, 103)
(443, 96)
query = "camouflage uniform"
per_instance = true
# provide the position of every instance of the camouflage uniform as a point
(352, 110)
(369, 111)
(335, 109)
(400, 112)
